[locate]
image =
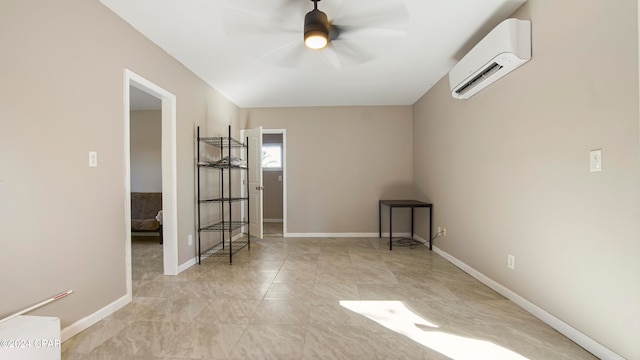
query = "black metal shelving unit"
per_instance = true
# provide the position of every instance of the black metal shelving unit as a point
(226, 225)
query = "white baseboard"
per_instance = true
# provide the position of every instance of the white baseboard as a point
(84, 323)
(565, 329)
(187, 264)
(329, 235)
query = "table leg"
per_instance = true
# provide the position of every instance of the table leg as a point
(431, 228)
(390, 228)
(412, 222)
(379, 219)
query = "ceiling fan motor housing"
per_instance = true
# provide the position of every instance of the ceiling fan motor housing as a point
(316, 23)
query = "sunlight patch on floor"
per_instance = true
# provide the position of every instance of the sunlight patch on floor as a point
(395, 316)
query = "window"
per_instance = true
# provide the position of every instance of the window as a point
(272, 156)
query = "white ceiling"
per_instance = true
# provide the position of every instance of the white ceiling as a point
(390, 52)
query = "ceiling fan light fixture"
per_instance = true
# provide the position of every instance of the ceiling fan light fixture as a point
(315, 40)
(316, 29)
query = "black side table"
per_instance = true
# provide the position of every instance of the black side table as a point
(403, 204)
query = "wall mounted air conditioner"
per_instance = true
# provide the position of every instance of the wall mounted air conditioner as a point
(504, 49)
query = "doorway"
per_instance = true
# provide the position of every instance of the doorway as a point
(168, 171)
(274, 178)
(145, 134)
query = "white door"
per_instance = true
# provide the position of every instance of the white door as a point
(254, 159)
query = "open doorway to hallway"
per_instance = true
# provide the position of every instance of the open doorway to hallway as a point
(145, 134)
(169, 200)
(274, 180)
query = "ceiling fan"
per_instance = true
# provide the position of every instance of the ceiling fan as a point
(345, 33)
(317, 28)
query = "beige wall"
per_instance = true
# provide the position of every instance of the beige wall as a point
(62, 224)
(508, 170)
(146, 150)
(340, 161)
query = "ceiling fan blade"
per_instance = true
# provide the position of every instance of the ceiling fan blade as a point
(271, 6)
(349, 53)
(379, 13)
(329, 54)
(291, 54)
(245, 22)
(293, 8)
(357, 32)
(288, 45)
(271, 31)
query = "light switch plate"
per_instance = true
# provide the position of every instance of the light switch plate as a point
(595, 160)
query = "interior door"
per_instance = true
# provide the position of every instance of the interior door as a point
(254, 157)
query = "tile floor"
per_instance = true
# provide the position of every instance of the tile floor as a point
(272, 229)
(306, 298)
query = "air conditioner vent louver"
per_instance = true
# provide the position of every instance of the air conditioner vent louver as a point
(504, 49)
(478, 78)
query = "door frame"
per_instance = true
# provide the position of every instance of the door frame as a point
(246, 185)
(169, 173)
(282, 132)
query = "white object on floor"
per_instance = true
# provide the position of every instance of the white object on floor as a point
(28, 337)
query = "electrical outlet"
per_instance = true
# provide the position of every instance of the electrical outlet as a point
(442, 231)
(190, 239)
(511, 262)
